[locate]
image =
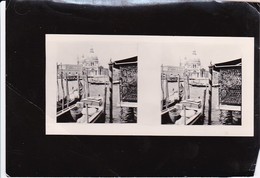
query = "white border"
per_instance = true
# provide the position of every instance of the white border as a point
(2, 52)
(149, 122)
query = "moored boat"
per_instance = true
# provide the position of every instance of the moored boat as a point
(191, 112)
(63, 113)
(91, 110)
(171, 101)
(71, 99)
(187, 112)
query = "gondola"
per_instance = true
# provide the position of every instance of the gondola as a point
(89, 110)
(187, 112)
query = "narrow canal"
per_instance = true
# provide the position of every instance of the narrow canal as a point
(197, 92)
(99, 90)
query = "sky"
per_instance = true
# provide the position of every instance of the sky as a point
(67, 49)
(215, 53)
(68, 52)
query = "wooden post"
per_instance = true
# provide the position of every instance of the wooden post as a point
(179, 93)
(105, 99)
(84, 87)
(210, 94)
(167, 92)
(204, 101)
(78, 85)
(110, 74)
(230, 117)
(162, 88)
(58, 81)
(62, 88)
(185, 86)
(87, 83)
(87, 113)
(67, 90)
(184, 114)
(188, 88)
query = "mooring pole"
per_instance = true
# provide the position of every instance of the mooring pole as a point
(162, 86)
(188, 87)
(62, 88)
(184, 114)
(86, 116)
(67, 90)
(87, 85)
(58, 88)
(78, 85)
(203, 104)
(105, 99)
(210, 93)
(167, 92)
(179, 93)
(185, 86)
(110, 74)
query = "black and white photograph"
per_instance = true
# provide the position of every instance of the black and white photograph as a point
(96, 81)
(149, 85)
(128, 88)
(201, 84)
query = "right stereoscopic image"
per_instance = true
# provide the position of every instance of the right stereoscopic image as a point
(201, 85)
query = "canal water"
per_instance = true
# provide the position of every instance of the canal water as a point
(99, 90)
(195, 92)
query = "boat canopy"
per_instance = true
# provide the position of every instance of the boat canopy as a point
(229, 64)
(127, 61)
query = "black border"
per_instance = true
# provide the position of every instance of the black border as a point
(29, 152)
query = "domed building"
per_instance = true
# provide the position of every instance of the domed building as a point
(90, 63)
(192, 66)
(191, 63)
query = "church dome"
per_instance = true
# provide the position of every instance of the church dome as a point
(91, 56)
(89, 59)
(194, 58)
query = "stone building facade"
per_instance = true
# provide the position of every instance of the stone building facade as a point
(71, 71)
(90, 63)
(192, 67)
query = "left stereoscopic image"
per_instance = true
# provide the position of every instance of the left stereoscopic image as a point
(96, 82)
